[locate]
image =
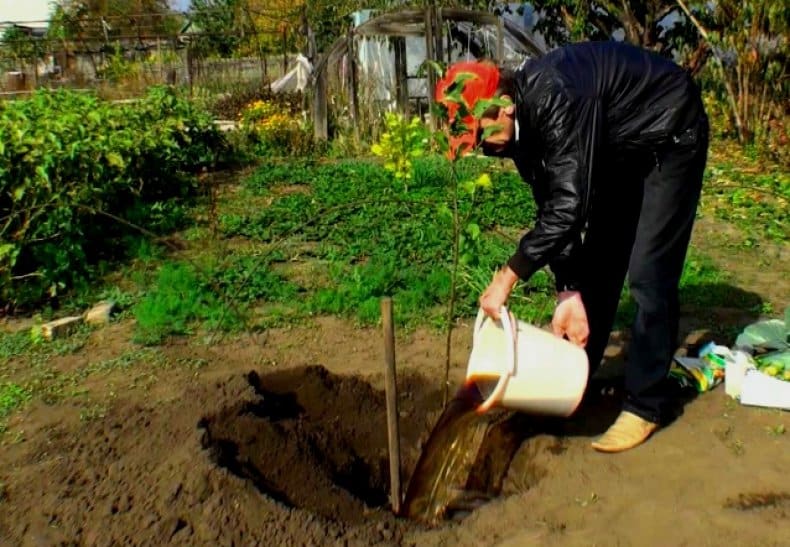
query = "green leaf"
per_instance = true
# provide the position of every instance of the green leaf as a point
(473, 230)
(438, 69)
(461, 78)
(483, 181)
(468, 186)
(8, 250)
(767, 334)
(484, 104)
(491, 130)
(442, 141)
(115, 160)
(42, 173)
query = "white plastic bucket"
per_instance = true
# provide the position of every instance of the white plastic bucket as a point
(534, 370)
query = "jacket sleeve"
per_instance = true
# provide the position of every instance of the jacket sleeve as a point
(571, 132)
(566, 266)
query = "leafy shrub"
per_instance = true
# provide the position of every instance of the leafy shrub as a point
(404, 141)
(71, 165)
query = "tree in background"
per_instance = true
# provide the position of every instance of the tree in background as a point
(111, 20)
(19, 47)
(750, 42)
(222, 25)
(657, 25)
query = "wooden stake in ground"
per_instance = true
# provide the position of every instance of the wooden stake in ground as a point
(392, 403)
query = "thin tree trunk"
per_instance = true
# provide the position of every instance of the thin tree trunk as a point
(453, 283)
(727, 84)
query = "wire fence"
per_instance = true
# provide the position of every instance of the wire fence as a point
(124, 64)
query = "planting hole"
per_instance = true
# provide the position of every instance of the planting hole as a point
(317, 441)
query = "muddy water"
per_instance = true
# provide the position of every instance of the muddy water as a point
(449, 464)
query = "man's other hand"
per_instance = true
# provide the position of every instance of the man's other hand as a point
(570, 318)
(498, 291)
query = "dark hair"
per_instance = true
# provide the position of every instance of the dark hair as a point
(506, 86)
(507, 82)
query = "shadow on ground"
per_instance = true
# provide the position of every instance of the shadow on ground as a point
(710, 312)
(718, 307)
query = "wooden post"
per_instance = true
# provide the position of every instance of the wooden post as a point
(500, 41)
(391, 387)
(320, 123)
(430, 54)
(285, 50)
(190, 69)
(353, 84)
(401, 75)
(438, 34)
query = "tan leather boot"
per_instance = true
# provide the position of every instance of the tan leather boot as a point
(628, 431)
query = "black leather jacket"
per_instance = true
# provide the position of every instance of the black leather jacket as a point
(574, 105)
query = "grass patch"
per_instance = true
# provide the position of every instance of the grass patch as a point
(12, 396)
(14, 344)
(212, 293)
(372, 239)
(123, 362)
(369, 237)
(749, 193)
(27, 347)
(178, 299)
(315, 237)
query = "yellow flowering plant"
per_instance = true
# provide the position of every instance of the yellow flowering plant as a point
(274, 130)
(403, 141)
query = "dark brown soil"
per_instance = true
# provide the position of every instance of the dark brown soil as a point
(237, 442)
(253, 460)
(313, 440)
(254, 448)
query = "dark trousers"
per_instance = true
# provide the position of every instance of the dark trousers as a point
(640, 222)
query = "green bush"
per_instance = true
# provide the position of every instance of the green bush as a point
(71, 165)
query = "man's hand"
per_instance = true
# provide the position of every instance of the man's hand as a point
(570, 318)
(498, 291)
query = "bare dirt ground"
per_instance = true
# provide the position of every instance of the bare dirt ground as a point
(279, 438)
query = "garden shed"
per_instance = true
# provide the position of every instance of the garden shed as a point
(380, 62)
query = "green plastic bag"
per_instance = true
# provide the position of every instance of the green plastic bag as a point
(771, 334)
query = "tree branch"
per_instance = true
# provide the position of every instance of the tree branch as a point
(128, 224)
(720, 63)
(633, 28)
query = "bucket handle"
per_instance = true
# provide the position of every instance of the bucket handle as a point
(509, 326)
